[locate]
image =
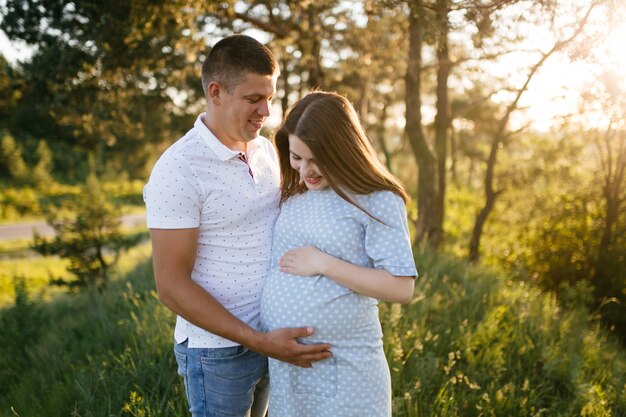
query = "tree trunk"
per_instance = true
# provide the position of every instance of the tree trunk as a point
(442, 119)
(361, 105)
(490, 200)
(382, 135)
(284, 100)
(453, 155)
(426, 184)
(614, 166)
(312, 51)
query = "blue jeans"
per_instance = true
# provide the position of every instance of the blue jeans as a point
(221, 382)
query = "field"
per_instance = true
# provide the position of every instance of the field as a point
(505, 121)
(471, 343)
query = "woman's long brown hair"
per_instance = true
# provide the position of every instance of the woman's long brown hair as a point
(328, 124)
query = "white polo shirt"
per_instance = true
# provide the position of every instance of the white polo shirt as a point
(199, 182)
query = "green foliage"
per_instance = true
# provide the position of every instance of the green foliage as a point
(88, 235)
(36, 271)
(116, 79)
(108, 353)
(42, 172)
(19, 202)
(10, 94)
(548, 224)
(11, 157)
(21, 325)
(471, 343)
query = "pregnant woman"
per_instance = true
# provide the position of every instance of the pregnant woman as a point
(341, 243)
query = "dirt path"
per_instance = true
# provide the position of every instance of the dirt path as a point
(26, 230)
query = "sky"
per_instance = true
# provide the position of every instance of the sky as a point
(10, 52)
(13, 51)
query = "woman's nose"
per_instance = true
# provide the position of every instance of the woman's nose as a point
(304, 168)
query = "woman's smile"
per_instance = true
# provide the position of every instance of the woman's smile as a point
(301, 159)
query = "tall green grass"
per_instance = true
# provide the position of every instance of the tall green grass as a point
(471, 343)
(92, 354)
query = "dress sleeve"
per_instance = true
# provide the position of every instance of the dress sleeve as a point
(172, 196)
(387, 242)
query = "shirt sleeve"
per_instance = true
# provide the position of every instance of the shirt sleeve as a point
(172, 195)
(387, 242)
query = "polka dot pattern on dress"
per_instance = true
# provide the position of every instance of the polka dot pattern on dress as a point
(355, 381)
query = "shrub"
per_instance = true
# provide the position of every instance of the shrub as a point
(88, 235)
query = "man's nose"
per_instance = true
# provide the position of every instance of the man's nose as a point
(265, 108)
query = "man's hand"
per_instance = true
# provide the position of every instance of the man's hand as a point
(282, 344)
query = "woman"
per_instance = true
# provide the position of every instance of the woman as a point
(340, 244)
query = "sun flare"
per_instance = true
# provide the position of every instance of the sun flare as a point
(616, 53)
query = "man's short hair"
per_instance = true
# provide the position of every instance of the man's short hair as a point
(233, 57)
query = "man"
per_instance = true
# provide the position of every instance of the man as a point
(212, 200)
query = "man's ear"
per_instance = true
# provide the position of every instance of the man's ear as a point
(214, 92)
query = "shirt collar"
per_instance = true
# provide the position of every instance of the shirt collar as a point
(220, 150)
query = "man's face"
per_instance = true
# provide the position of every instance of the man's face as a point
(242, 111)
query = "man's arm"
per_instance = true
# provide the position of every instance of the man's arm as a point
(174, 255)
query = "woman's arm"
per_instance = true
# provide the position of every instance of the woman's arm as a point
(377, 283)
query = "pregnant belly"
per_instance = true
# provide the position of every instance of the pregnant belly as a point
(339, 315)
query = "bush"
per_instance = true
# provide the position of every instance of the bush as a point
(19, 202)
(88, 235)
(12, 158)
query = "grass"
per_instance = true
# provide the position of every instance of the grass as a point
(19, 261)
(36, 272)
(471, 343)
(99, 353)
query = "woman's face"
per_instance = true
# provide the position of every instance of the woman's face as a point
(301, 159)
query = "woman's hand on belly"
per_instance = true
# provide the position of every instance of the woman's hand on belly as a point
(372, 282)
(306, 261)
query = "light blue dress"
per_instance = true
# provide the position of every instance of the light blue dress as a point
(355, 381)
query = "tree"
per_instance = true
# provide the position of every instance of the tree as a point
(502, 132)
(609, 278)
(10, 84)
(42, 170)
(118, 78)
(368, 74)
(430, 24)
(426, 227)
(88, 235)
